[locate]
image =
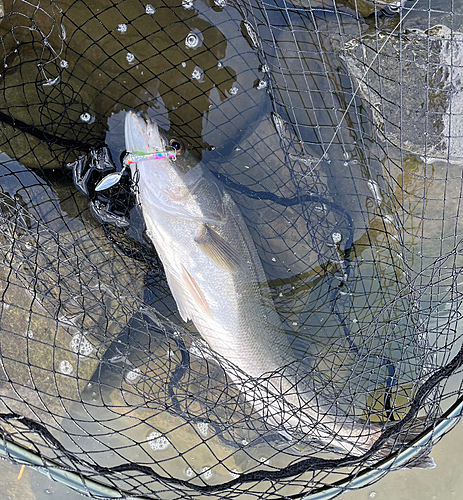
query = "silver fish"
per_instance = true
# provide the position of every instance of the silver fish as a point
(217, 280)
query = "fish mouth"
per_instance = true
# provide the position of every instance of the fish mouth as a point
(141, 135)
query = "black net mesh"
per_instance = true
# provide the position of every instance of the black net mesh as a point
(335, 127)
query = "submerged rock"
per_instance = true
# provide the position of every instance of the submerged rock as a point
(66, 291)
(413, 81)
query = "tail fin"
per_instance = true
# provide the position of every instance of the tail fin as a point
(401, 442)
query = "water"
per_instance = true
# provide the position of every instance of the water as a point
(441, 483)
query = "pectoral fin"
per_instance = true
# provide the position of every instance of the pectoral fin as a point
(219, 250)
(195, 293)
(178, 291)
(187, 294)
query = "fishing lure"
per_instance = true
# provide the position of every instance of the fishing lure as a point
(112, 179)
(139, 156)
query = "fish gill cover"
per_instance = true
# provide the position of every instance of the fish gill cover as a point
(331, 131)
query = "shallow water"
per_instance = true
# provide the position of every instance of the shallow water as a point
(441, 483)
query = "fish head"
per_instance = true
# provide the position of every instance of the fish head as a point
(168, 184)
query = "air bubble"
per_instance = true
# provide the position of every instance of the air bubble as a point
(234, 474)
(130, 57)
(149, 9)
(261, 85)
(191, 41)
(189, 472)
(220, 65)
(157, 441)
(273, 259)
(233, 90)
(122, 28)
(183, 64)
(206, 473)
(197, 74)
(65, 367)
(87, 118)
(203, 428)
(264, 68)
(187, 4)
(132, 375)
(194, 39)
(63, 63)
(220, 3)
(336, 237)
(80, 345)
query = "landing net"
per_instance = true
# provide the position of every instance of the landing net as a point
(336, 129)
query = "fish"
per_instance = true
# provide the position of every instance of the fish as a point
(217, 280)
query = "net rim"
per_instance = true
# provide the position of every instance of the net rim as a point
(75, 481)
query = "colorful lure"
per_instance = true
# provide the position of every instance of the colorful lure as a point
(112, 179)
(139, 156)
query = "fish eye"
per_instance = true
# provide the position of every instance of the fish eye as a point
(177, 145)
